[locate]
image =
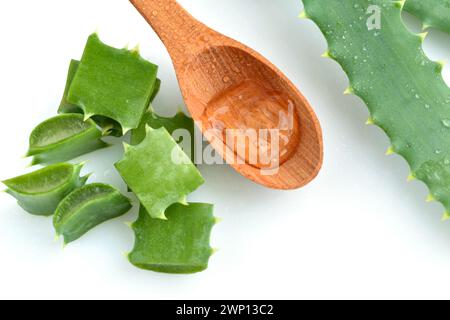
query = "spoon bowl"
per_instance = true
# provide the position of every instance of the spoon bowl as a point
(252, 115)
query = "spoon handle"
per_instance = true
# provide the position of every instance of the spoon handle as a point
(180, 32)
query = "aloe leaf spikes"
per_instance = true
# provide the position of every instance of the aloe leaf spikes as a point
(159, 172)
(87, 207)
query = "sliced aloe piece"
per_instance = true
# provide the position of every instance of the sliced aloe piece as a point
(65, 106)
(87, 207)
(109, 126)
(156, 89)
(179, 245)
(63, 138)
(114, 83)
(159, 172)
(172, 125)
(40, 192)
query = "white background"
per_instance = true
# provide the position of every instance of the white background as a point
(358, 231)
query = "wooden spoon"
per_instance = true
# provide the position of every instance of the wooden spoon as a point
(247, 109)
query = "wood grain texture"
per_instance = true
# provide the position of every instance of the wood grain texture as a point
(212, 68)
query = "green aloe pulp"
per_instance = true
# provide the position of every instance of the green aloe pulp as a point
(180, 127)
(63, 138)
(65, 106)
(158, 172)
(40, 192)
(178, 245)
(113, 83)
(109, 126)
(87, 207)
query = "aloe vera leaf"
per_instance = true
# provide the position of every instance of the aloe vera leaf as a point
(40, 192)
(172, 125)
(404, 91)
(180, 121)
(109, 126)
(65, 106)
(113, 83)
(180, 245)
(156, 89)
(158, 172)
(63, 138)
(433, 13)
(87, 207)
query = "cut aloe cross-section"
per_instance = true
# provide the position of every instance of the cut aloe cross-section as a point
(40, 192)
(87, 207)
(64, 138)
(159, 172)
(179, 245)
(114, 83)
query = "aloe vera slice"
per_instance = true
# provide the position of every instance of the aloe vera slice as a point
(87, 207)
(179, 121)
(433, 13)
(180, 245)
(158, 172)
(403, 89)
(40, 192)
(63, 138)
(156, 89)
(114, 83)
(109, 126)
(65, 106)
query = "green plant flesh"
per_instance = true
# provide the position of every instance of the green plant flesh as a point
(40, 192)
(181, 127)
(109, 126)
(433, 13)
(113, 83)
(156, 89)
(159, 172)
(65, 106)
(404, 91)
(179, 245)
(63, 138)
(87, 207)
